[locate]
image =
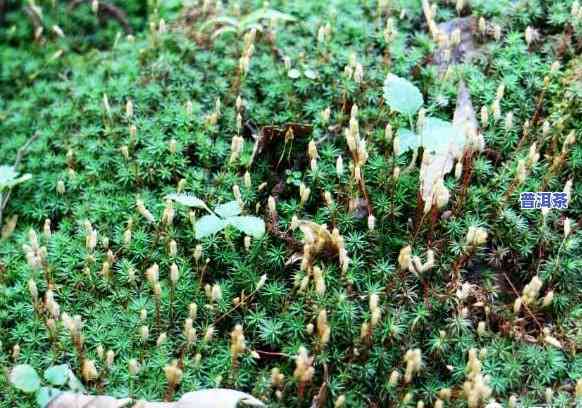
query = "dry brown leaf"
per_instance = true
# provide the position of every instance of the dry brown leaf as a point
(437, 165)
(212, 398)
(464, 51)
(464, 117)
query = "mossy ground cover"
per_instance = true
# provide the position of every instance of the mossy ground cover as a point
(385, 310)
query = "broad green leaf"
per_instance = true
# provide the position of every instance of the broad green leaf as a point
(274, 14)
(229, 209)
(45, 395)
(310, 74)
(267, 14)
(439, 135)
(57, 375)
(408, 140)
(401, 95)
(293, 73)
(9, 177)
(25, 378)
(188, 200)
(253, 226)
(208, 225)
(229, 21)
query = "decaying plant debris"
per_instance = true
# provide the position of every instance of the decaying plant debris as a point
(215, 398)
(290, 203)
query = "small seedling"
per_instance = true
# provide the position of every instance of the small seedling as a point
(25, 378)
(222, 216)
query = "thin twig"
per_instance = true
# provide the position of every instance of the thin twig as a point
(272, 353)
(524, 304)
(243, 301)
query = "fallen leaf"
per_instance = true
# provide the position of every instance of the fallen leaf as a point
(464, 117)
(437, 163)
(218, 398)
(465, 50)
(211, 398)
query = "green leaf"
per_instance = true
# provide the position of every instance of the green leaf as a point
(208, 225)
(45, 395)
(9, 177)
(310, 74)
(25, 378)
(274, 14)
(57, 375)
(267, 14)
(253, 226)
(439, 135)
(408, 140)
(229, 209)
(293, 73)
(401, 95)
(188, 200)
(229, 21)
(7, 174)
